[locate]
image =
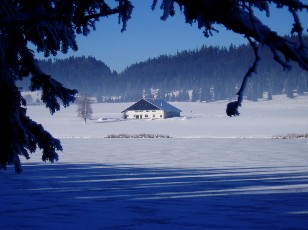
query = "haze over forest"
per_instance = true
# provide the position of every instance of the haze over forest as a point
(205, 74)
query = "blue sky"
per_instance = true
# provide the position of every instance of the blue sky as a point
(147, 36)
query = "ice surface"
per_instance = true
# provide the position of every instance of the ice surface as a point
(216, 171)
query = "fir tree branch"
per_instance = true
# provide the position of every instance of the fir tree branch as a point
(232, 107)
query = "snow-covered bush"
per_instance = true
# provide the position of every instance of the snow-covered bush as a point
(142, 135)
(291, 136)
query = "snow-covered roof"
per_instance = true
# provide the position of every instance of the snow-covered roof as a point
(163, 105)
(153, 104)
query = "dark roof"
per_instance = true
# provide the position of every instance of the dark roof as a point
(152, 104)
(163, 105)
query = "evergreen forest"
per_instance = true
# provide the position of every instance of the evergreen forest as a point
(205, 74)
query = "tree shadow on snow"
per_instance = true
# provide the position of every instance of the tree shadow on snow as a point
(96, 196)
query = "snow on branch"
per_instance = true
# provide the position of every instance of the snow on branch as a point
(51, 26)
(38, 136)
(51, 90)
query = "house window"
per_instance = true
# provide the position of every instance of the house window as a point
(161, 115)
(153, 115)
(146, 115)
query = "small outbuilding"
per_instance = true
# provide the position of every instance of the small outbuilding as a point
(151, 109)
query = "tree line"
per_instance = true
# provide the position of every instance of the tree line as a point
(52, 27)
(204, 74)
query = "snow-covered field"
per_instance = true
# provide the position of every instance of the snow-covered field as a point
(215, 172)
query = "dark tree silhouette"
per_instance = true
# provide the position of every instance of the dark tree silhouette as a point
(239, 16)
(52, 25)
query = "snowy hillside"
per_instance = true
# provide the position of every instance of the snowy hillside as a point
(215, 172)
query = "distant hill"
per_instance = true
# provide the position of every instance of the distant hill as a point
(213, 73)
(205, 74)
(86, 74)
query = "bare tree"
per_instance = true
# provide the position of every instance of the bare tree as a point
(84, 108)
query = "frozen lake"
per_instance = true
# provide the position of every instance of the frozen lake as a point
(216, 172)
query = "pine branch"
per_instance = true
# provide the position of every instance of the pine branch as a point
(30, 18)
(238, 16)
(232, 107)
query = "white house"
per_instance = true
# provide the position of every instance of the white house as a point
(151, 109)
